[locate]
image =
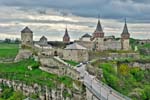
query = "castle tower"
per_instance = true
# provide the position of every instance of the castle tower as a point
(66, 38)
(43, 40)
(27, 37)
(98, 37)
(125, 36)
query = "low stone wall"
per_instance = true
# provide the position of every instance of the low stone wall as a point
(6, 60)
(44, 93)
(52, 65)
(107, 55)
(143, 66)
(124, 55)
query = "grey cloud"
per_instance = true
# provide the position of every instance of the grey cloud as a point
(109, 9)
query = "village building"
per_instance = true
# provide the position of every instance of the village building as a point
(26, 37)
(75, 52)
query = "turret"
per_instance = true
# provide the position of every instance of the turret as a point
(66, 37)
(125, 36)
(27, 37)
(99, 31)
(98, 38)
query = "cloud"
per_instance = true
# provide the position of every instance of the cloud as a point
(49, 17)
(112, 9)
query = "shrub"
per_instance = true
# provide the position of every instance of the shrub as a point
(35, 65)
(123, 69)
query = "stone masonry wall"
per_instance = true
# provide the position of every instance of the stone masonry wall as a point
(44, 93)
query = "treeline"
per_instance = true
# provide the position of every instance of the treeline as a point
(7, 40)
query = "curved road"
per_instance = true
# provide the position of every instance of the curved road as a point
(99, 89)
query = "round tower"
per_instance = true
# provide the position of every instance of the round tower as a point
(27, 37)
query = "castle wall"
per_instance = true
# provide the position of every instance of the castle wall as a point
(75, 55)
(88, 44)
(125, 44)
(112, 45)
(88, 39)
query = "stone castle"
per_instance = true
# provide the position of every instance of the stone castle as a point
(99, 42)
(78, 50)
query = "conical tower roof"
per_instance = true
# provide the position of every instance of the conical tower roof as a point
(26, 30)
(99, 27)
(66, 33)
(125, 29)
(43, 38)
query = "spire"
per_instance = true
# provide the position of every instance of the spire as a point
(99, 27)
(125, 30)
(66, 33)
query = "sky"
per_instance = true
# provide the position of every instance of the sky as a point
(51, 17)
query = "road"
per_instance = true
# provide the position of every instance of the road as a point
(101, 90)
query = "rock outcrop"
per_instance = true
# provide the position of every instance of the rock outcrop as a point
(59, 92)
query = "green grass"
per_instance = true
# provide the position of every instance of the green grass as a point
(19, 71)
(73, 63)
(8, 50)
(144, 46)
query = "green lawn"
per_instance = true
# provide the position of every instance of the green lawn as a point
(19, 71)
(8, 50)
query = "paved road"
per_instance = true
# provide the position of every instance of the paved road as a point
(99, 89)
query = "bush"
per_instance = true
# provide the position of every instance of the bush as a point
(18, 95)
(123, 69)
(35, 65)
(7, 93)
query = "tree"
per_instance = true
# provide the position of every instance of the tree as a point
(17, 40)
(7, 40)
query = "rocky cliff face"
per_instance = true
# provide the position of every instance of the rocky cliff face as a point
(56, 93)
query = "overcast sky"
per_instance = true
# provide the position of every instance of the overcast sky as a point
(50, 17)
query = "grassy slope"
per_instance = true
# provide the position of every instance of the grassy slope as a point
(19, 71)
(8, 50)
(127, 80)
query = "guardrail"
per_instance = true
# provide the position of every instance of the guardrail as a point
(114, 91)
(95, 92)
